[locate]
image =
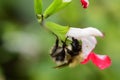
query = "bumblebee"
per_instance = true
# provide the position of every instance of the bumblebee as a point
(66, 55)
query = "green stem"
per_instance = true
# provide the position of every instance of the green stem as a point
(41, 21)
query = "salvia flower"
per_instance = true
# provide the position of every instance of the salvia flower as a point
(85, 3)
(87, 36)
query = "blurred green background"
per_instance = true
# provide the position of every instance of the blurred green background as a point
(25, 45)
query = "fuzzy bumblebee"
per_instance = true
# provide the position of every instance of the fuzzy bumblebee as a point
(66, 55)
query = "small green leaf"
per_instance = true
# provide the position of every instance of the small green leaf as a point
(38, 6)
(56, 6)
(57, 29)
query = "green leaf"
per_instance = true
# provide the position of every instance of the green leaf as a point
(57, 29)
(38, 6)
(56, 6)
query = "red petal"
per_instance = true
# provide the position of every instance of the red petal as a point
(86, 60)
(85, 3)
(102, 61)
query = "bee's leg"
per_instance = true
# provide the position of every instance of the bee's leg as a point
(55, 46)
(70, 52)
(61, 53)
(64, 42)
(57, 43)
(58, 52)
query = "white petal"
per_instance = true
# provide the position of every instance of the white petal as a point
(88, 44)
(75, 32)
(87, 36)
(93, 32)
(78, 33)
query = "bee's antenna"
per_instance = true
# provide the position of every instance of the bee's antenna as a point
(64, 42)
(66, 39)
(57, 39)
(56, 43)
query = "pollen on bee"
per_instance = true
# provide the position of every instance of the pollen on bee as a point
(76, 60)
